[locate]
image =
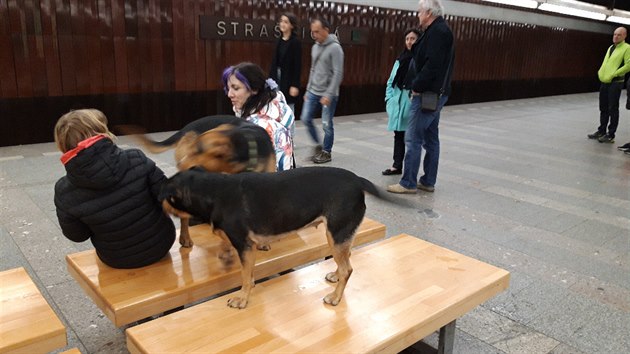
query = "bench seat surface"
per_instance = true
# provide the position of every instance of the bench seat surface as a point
(188, 275)
(27, 323)
(402, 289)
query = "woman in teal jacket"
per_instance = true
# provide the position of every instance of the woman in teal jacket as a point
(397, 101)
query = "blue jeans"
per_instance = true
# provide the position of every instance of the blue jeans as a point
(422, 131)
(311, 104)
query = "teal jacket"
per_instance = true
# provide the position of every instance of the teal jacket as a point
(615, 66)
(397, 104)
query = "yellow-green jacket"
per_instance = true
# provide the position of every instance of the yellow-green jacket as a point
(615, 65)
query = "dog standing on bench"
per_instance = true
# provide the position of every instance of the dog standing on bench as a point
(225, 144)
(251, 209)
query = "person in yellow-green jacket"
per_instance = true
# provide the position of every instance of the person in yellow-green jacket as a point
(611, 75)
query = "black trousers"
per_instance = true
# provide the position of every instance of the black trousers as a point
(609, 95)
(399, 149)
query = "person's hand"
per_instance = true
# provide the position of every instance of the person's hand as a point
(294, 91)
(325, 101)
(304, 97)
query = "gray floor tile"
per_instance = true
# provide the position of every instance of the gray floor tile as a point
(505, 334)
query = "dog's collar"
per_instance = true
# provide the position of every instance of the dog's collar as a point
(252, 145)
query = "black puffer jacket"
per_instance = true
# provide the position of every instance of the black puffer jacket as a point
(109, 195)
(290, 66)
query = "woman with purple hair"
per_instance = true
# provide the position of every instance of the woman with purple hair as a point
(258, 100)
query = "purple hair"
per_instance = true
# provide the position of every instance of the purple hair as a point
(232, 70)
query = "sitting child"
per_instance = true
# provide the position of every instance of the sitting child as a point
(109, 195)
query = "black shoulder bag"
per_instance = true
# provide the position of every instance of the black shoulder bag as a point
(429, 99)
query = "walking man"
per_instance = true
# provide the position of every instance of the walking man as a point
(322, 90)
(611, 75)
(433, 56)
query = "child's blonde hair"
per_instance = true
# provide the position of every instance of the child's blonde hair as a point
(76, 126)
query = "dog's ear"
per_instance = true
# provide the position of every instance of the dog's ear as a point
(186, 151)
(216, 144)
(165, 190)
(178, 198)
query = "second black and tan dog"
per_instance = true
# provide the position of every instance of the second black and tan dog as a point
(225, 144)
(219, 143)
(253, 209)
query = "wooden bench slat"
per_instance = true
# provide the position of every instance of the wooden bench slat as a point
(402, 289)
(188, 275)
(27, 322)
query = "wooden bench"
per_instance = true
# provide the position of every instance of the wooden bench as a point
(27, 323)
(71, 351)
(188, 275)
(402, 289)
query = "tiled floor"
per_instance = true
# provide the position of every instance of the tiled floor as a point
(520, 186)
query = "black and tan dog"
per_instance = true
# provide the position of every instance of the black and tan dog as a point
(252, 209)
(225, 144)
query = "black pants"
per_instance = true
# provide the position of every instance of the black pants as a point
(609, 95)
(399, 149)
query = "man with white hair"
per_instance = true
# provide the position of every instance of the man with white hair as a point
(433, 59)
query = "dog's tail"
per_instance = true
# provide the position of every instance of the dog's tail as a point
(380, 193)
(153, 146)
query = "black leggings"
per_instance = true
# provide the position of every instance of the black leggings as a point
(609, 107)
(399, 149)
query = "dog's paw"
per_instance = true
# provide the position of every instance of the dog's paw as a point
(237, 302)
(186, 242)
(263, 247)
(332, 299)
(332, 277)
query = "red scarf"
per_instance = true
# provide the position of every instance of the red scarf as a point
(82, 145)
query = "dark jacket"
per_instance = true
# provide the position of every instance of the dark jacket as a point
(431, 58)
(109, 196)
(290, 66)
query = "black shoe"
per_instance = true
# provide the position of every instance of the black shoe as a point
(596, 135)
(607, 139)
(624, 147)
(391, 171)
(316, 151)
(323, 157)
(422, 187)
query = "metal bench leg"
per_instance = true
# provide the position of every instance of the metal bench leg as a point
(446, 339)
